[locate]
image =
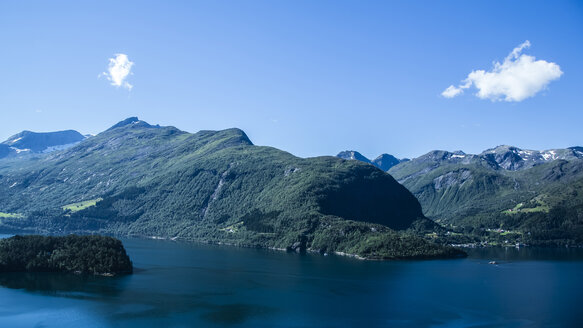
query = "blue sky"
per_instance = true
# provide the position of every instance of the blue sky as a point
(309, 77)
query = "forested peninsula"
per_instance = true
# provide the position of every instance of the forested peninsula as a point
(97, 255)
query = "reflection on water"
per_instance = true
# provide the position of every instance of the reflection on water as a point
(234, 313)
(68, 285)
(527, 253)
(180, 284)
(123, 305)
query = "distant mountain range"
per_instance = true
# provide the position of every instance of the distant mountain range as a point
(535, 193)
(383, 161)
(505, 157)
(27, 142)
(211, 186)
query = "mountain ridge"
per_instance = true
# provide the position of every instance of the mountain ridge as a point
(502, 157)
(214, 186)
(504, 187)
(27, 142)
(383, 161)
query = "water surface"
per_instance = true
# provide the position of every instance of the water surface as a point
(192, 285)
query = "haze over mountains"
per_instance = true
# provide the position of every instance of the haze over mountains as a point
(383, 161)
(213, 186)
(27, 142)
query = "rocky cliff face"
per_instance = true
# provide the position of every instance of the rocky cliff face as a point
(513, 158)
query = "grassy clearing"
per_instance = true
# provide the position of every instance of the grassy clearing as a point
(519, 208)
(233, 228)
(514, 210)
(505, 233)
(76, 207)
(11, 215)
(542, 208)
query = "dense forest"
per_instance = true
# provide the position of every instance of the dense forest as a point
(97, 255)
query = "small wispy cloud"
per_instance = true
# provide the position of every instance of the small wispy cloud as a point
(451, 92)
(119, 68)
(519, 77)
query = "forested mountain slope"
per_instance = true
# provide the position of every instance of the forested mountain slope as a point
(215, 186)
(537, 194)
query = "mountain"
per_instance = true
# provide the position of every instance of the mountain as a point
(386, 161)
(513, 158)
(351, 154)
(383, 162)
(136, 122)
(537, 194)
(38, 142)
(5, 150)
(213, 186)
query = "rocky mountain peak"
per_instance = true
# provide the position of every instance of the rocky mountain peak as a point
(352, 154)
(133, 122)
(506, 157)
(385, 161)
(514, 158)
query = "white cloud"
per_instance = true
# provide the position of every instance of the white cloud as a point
(118, 70)
(451, 92)
(519, 77)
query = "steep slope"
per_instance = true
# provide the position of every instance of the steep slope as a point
(5, 150)
(213, 186)
(43, 141)
(504, 187)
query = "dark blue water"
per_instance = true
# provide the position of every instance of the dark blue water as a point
(190, 285)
